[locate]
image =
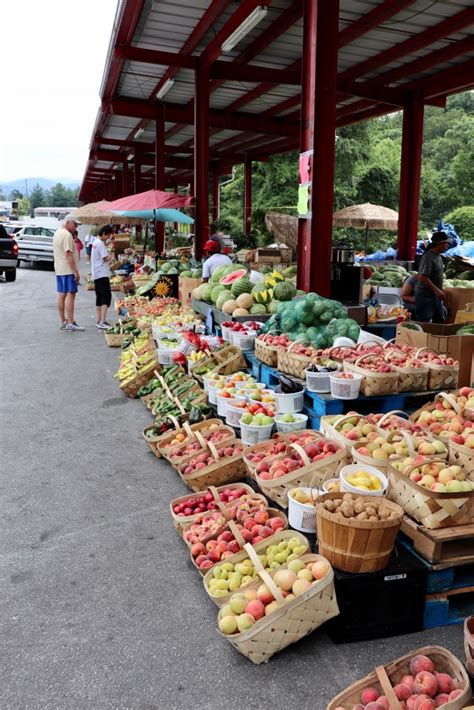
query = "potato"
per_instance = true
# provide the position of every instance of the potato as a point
(362, 516)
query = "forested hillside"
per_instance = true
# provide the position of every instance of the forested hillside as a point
(367, 170)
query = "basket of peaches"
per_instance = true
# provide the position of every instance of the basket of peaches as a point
(300, 459)
(413, 373)
(384, 450)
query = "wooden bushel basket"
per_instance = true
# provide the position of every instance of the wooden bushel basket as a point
(231, 360)
(429, 508)
(353, 545)
(291, 621)
(223, 471)
(115, 340)
(181, 521)
(311, 475)
(448, 397)
(291, 363)
(188, 429)
(266, 353)
(441, 377)
(259, 547)
(251, 468)
(152, 442)
(332, 431)
(131, 388)
(411, 379)
(462, 456)
(373, 383)
(384, 678)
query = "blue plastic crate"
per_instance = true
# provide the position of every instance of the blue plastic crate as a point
(254, 365)
(268, 375)
(444, 611)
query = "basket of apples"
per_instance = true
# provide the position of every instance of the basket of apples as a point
(443, 369)
(425, 679)
(267, 346)
(378, 376)
(214, 466)
(445, 409)
(432, 492)
(232, 538)
(280, 608)
(184, 432)
(242, 336)
(296, 358)
(185, 509)
(393, 421)
(196, 442)
(236, 572)
(413, 373)
(302, 466)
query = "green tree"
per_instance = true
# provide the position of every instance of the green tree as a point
(15, 195)
(378, 186)
(462, 220)
(61, 196)
(24, 206)
(38, 197)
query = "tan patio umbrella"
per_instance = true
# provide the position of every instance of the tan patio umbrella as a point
(366, 216)
(91, 214)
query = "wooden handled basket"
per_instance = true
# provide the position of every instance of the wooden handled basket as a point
(132, 386)
(402, 423)
(292, 363)
(276, 439)
(223, 471)
(181, 521)
(291, 621)
(267, 354)
(429, 508)
(411, 379)
(186, 429)
(441, 377)
(461, 455)
(446, 396)
(260, 548)
(384, 678)
(333, 430)
(373, 383)
(311, 475)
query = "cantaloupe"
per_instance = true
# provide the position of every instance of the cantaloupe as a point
(245, 300)
(240, 311)
(229, 307)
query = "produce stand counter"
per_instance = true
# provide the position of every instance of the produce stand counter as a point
(220, 317)
(200, 307)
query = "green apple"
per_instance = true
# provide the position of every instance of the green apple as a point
(246, 419)
(288, 418)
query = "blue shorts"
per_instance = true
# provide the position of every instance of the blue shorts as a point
(66, 284)
(89, 250)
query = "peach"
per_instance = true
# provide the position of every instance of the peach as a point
(408, 680)
(228, 624)
(402, 691)
(264, 594)
(421, 663)
(384, 701)
(423, 702)
(445, 683)
(250, 594)
(245, 621)
(425, 683)
(375, 705)
(441, 699)
(256, 609)
(273, 606)
(300, 586)
(411, 702)
(320, 569)
(455, 694)
(369, 695)
(285, 579)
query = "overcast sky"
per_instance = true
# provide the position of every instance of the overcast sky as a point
(52, 58)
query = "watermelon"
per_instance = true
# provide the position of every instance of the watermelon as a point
(223, 296)
(284, 291)
(206, 292)
(258, 310)
(217, 274)
(272, 306)
(216, 290)
(241, 285)
(233, 276)
(196, 273)
(186, 274)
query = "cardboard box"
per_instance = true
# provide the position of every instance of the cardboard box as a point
(456, 300)
(272, 256)
(443, 339)
(121, 242)
(186, 286)
(466, 316)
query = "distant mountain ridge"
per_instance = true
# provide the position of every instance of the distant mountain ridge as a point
(45, 183)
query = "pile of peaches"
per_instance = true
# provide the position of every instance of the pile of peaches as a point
(435, 476)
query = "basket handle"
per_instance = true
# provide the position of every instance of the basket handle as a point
(215, 494)
(337, 347)
(362, 357)
(359, 346)
(387, 688)
(211, 448)
(424, 348)
(398, 412)
(175, 422)
(298, 340)
(264, 576)
(201, 440)
(188, 429)
(269, 333)
(416, 465)
(392, 340)
(157, 374)
(452, 402)
(299, 449)
(407, 437)
(343, 419)
(236, 533)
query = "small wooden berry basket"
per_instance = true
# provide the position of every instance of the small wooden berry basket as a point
(310, 475)
(441, 377)
(353, 545)
(429, 508)
(115, 340)
(461, 455)
(260, 548)
(181, 521)
(373, 383)
(385, 678)
(292, 363)
(291, 621)
(223, 471)
(267, 354)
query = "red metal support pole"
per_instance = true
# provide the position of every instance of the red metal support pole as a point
(318, 129)
(410, 177)
(215, 195)
(160, 172)
(201, 157)
(125, 179)
(247, 195)
(137, 171)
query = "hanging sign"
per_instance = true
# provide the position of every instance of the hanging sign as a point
(167, 286)
(305, 184)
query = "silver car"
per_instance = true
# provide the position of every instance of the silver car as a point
(35, 243)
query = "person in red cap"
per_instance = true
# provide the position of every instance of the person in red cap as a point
(213, 260)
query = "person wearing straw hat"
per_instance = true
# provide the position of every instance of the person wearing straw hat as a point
(429, 293)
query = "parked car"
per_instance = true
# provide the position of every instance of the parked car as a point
(35, 243)
(8, 255)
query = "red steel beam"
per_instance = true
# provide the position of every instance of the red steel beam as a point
(412, 44)
(381, 13)
(459, 77)
(227, 71)
(410, 176)
(247, 222)
(215, 194)
(160, 160)
(201, 158)
(154, 56)
(126, 26)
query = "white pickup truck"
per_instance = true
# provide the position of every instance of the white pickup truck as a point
(35, 242)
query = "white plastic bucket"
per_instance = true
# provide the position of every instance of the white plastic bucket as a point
(289, 403)
(252, 434)
(212, 391)
(365, 337)
(165, 356)
(302, 517)
(248, 394)
(326, 487)
(345, 389)
(186, 347)
(226, 334)
(244, 341)
(206, 381)
(353, 468)
(285, 427)
(233, 414)
(245, 385)
(318, 381)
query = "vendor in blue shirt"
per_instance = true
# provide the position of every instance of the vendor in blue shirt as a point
(429, 293)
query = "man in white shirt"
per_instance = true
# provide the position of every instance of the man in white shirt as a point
(214, 259)
(66, 266)
(100, 270)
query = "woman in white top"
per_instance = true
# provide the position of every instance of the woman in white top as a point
(214, 259)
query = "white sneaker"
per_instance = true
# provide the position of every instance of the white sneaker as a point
(102, 325)
(74, 328)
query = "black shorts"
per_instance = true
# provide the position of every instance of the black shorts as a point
(103, 294)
